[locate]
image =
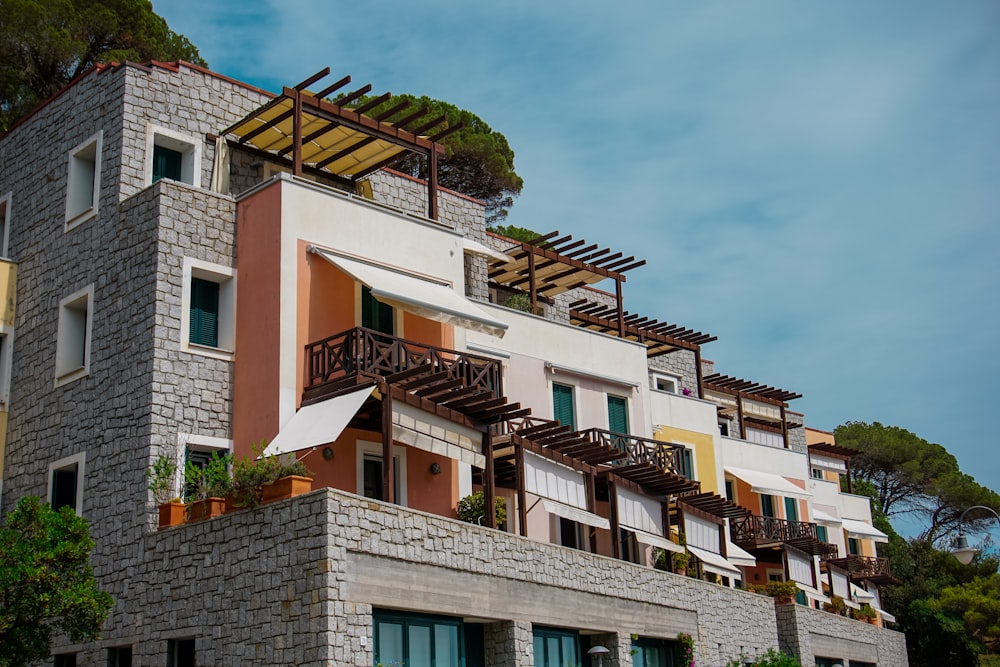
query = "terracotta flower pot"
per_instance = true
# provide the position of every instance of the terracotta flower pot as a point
(784, 599)
(206, 509)
(286, 487)
(171, 514)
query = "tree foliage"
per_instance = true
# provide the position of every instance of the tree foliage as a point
(45, 44)
(977, 605)
(905, 474)
(479, 163)
(46, 583)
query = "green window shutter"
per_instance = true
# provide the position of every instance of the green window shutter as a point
(767, 505)
(618, 414)
(562, 404)
(687, 464)
(204, 315)
(791, 509)
(166, 164)
(375, 314)
(822, 534)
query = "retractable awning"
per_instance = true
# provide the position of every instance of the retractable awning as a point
(643, 516)
(738, 556)
(768, 483)
(437, 435)
(561, 489)
(715, 563)
(427, 297)
(319, 423)
(819, 516)
(575, 514)
(861, 530)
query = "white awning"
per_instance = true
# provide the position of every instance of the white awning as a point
(800, 566)
(554, 481)
(861, 530)
(886, 616)
(421, 295)
(575, 514)
(477, 248)
(738, 556)
(319, 423)
(819, 516)
(768, 483)
(638, 512)
(861, 595)
(656, 541)
(715, 563)
(437, 435)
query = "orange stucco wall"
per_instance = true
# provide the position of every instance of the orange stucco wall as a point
(255, 368)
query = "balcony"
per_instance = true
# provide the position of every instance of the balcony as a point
(341, 360)
(864, 568)
(754, 532)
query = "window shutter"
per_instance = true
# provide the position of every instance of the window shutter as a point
(791, 509)
(562, 404)
(204, 316)
(375, 314)
(618, 415)
(166, 164)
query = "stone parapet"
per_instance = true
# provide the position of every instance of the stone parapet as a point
(809, 634)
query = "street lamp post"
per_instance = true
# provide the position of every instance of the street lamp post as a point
(960, 547)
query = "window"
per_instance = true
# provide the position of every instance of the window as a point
(4, 224)
(555, 647)
(73, 337)
(208, 314)
(199, 450)
(417, 639)
(180, 653)
(562, 405)
(686, 463)
(6, 339)
(64, 660)
(821, 534)
(618, 414)
(767, 505)
(653, 652)
(791, 509)
(668, 383)
(730, 490)
(724, 428)
(375, 314)
(120, 656)
(853, 546)
(816, 473)
(371, 472)
(66, 483)
(83, 184)
(631, 550)
(570, 533)
(172, 155)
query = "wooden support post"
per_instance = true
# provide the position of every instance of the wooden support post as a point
(850, 484)
(616, 539)
(297, 134)
(621, 313)
(697, 372)
(784, 427)
(739, 415)
(522, 509)
(432, 183)
(592, 508)
(388, 472)
(531, 281)
(489, 483)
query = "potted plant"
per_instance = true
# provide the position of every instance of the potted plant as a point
(783, 592)
(290, 478)
(249, 478)
(161, 484)
(835, 605)
(209, 486)
(472, 509)
(680, 562)
(865, 613)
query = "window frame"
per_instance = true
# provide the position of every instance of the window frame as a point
(78, 460)
(6, 363)
(545, 632)
(185, 144)
(572, 400)
(190, 442)
(405, 620)
(5, 204)
(625, 407)
(669, 377)
(77, 179)
(65, 371)
(173, 648)
(225, 277)
(367, 447)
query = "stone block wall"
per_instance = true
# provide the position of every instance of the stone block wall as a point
(680, 363)
(796, 432)
(810, 633)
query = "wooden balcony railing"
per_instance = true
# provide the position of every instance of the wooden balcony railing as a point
(636, 450)
(371, 353)
(864, 567)
(754, 530)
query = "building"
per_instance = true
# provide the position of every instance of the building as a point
(200, 265)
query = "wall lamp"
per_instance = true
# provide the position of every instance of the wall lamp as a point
(960, 547)
(435, 468)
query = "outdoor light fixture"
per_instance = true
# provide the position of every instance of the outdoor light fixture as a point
(435, 468)
(600, 652)
(960, 547)
(327, 454)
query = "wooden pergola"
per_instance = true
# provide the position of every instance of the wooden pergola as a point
(740, 389)
(309, 133)
(836, 452)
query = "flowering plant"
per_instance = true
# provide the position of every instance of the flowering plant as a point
(687, 641)
(686, 391)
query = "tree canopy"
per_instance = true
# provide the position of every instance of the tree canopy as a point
(45, 44)
(479, 163)
(46, 583)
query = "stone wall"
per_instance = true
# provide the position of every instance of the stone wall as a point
(680, 363)
(810, 633)
(796, 432)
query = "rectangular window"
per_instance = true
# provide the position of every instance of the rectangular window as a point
(371, 472)
(562, 405)
(120, 656)
(417, 639)
(570, 533)
(791, 509)
(724, 428)
(4, 224)
(376, 315)
(172, 155)
(73, 336)
(66, 482)
(64, 660)
(653, 652)
(853, 546)
(554, 647)
(686, 463)
(730, 490)
(618, 414)
(816, 473)
(767, 505)
(821, 534)
(667, 383)
(5, 363)
(208, 315)
(204, 324)
(180, 653)
(166, 163)
(83, 184)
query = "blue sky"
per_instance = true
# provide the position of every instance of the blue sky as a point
(814, 183)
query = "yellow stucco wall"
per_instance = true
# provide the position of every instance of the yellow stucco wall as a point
(8, 284)
(704, 453)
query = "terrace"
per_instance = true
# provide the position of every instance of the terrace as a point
(756, 532)
(863, 568)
